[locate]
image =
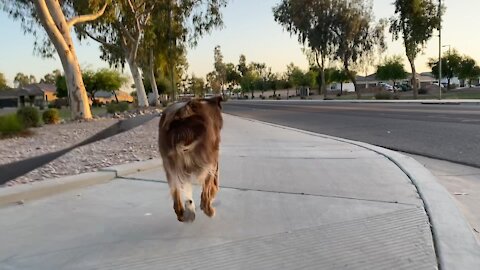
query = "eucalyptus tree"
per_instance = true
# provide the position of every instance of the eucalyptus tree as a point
(3, 82)
(171, 23)
(57, 19)
(358, 36)
(414, 22)
(391, 69)
(312, 21)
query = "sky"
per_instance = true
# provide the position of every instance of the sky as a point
(249, 29)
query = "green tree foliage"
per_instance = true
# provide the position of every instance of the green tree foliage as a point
(213, 83)
(58, 18)
(469, 70)
(102, 80)
(339, 76)
(197, 86)
(414, 22)
(249, 81)
(391, 69)
(358, 36)
(313, 22)
(219, 67)
(232, 75)
(3, 82)
(21, 79)
(51, 78)
(451, 65)
(132, 25)
(242, 65)
(333, 30)
(61, 85)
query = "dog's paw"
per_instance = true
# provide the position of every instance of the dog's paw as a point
(189, 213)
(209, 211)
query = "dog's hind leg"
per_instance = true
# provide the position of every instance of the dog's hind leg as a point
(176, 190)
(209, 190)
(177, 203)
(189, 213)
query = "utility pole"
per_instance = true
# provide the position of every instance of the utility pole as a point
(440, 49)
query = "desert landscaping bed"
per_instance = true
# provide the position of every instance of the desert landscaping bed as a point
(134, 145)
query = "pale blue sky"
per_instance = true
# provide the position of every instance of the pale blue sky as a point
(249, 29)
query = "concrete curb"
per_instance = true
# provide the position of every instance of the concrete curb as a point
(134, 167)
(21, 193)
(37, 190)
(455, 243)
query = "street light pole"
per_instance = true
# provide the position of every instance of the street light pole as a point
(440, 49)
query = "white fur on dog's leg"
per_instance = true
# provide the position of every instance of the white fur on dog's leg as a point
(189, 213)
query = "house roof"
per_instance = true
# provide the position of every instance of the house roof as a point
(37, 88)
(14, 92)
(108, 94)
(103, 94)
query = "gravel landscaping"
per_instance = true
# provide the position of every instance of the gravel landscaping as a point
(138, 144)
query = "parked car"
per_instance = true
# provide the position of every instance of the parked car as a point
(386, 86)
(405, 87)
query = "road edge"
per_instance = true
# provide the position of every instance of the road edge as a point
(455, 243)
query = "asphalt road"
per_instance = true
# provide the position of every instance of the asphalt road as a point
(441, 131)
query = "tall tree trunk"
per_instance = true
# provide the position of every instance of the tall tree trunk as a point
(323, 87)
(153, 82)
(116, 97)
(58, 30)
(341, 88)
(139, 87)
(353, 79)
(320, 59)
(355, 85)
(414, 78)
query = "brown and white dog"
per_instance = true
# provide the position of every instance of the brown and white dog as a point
(189, 140)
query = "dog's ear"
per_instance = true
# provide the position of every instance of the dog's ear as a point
(217, 101)
(175, 111)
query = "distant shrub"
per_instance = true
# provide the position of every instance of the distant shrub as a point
(383, 95)
(51, 116)
(122, 106)
(29, 116)
(117, 107)
(111, 108)
(59, 103)
(10, 125)
(422, 91)
(165, 103)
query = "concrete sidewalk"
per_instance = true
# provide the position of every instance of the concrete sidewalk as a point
(289, 200)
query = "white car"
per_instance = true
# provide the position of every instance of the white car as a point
(386, 86)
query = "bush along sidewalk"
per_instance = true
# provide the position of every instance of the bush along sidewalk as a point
(10, 126)
(18, 124)
(117, 107)
(51, 116)
(29, 116)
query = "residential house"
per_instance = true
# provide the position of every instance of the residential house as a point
(108, 96)
(37, 94)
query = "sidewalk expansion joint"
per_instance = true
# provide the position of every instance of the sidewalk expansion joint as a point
(282, 192)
